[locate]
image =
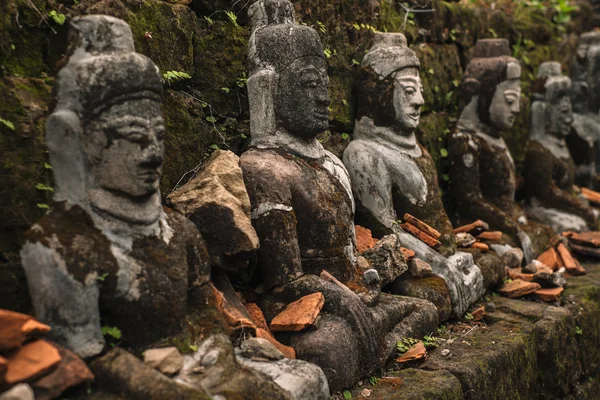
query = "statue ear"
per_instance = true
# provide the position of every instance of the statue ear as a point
(261, 96)
(63, 138)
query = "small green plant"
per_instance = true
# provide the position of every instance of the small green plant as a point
(57, 17)
(211, 119)
(493, 32)
(354, 62)
(43, 206)
(44, 188)
(111, 331)
(209, 20)
(102, 277)
(347, 395)
(443, 152)
(405, 344)
(469, 317)
(7, 123)
(441, 330)
(430, 341)
(578, 330)
(175, 76)
(321, 27)
(225, 89)
(345, 136)
(193, 347)
(507, 281)
(242, 80)
(373, 380)
(232, 17)
(327, 53)
(47, 166)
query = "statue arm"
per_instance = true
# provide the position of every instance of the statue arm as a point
(68, 304)
(540, 185)
(465, 182)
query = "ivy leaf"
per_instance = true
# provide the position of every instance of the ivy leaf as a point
(211, 119)
(8, 124)
(443, 152)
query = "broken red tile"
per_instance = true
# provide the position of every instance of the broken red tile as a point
(474, 228)
(16, 328)
(549, 258)
(299, 315)
(364, 239)
(408, 254)
(34, 328)
(235, 318)
(257, 316)
(580, 270)
(549, 295)
(591, 239)
(31, 360)
(481, 246)
(70, 372)
(572, 267)
(3, 368)
(585, 250)
(493, 236)
(416, 352)
(516, 273)
(518, 288)
(591, 195)
(287, 351)
(416, 232)
(422, 226)
(478, 314)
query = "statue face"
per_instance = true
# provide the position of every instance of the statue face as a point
(302, 101)
(125, 148)
(560, 117)
(408, 99)
(505, 105)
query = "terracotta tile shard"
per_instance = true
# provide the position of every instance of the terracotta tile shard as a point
(474, 228)
(493, 236)
(515, 273)
(288, 352)
(591, 239)
(33, 327)
(478, 314)
(408, 254)
(16, 328)
(299, 315)
(416, 232)
(586, 251)
(480, 246)
(549, 258)
(31, 360)
(364, 239)
(257, 316)
(235, 318)
(549, 294)
(422, 226)
(416, 352)
(570, 263)
(518, 288)
(3, 368)
(591, 195)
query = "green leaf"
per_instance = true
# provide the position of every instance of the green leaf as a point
(111, 331)
(232, 17)
(327, 53)
(8, 124)
(102, 277)
(209, 20)
(347, 395)
(445, 177)
(443, 152)
(225, 89)
(345, 136)
(47, 166)
(43, 206)
(44, 188)
(57, 17)
(430, 71)
(193, 347)
(211, 119)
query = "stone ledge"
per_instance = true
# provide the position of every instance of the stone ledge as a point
(526, 350)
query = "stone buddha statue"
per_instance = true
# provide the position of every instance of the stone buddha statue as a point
(549, 169)
(302, 205)
(584, 139)
(391, 173)
(482, 169)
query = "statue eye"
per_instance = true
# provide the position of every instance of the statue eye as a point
(409, 90)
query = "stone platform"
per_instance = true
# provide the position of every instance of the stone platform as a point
(522, 350)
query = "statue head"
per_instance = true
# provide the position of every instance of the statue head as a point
(491, 89)
(585, 91)
(105, 135)
(551, 108)
(389, 88)
(288, 74)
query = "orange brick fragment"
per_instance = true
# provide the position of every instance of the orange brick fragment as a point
(591, 195)
(299, 315)
(478, 314)
(425, 238)
(480, 246)
(518, 288)
(288, 352)
(257, 316)
(516, 273)
(422, 226)
(549, 258)
(408, 254)
(3, 368)
(474, 228)
(586, 250)
(585, 238)
(548, 295)
(33, 327)
(416, 352)
(31, 360)
(493, 236)
(570, 263)
(364, 239)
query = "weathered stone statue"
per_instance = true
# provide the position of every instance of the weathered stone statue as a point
(391, 172)
(549, 169)
(482, 169)
(302, 206)
(108, 254)
(584, 139)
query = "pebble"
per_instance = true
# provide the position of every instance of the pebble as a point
(445, 352)
(490, 306)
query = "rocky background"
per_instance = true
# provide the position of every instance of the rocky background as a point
(200, 47)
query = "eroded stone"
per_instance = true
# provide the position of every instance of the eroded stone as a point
(167, 360)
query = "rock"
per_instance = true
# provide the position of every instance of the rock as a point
(167, 360)
(516, 273)
(387, 258)
(22, 391)
(464, 239)
(408, 253)
(549, 258)
(260, 348)
(416, 352)
(490, 307)
(217, 202)
(513, 257)
(70, 372)
(16, 328)
(551, 280)
(539, 267)
(371, 277)
(364, 239)
(445, 352)
(299, 315)
(362, 263)
(474, 228)
(287, 351)
(419, 268)
(529, 268)
(305, 381)
(432, 288)
(478, 313)
(419, 234)
(31, 360)
(549, 295)
(518, 288)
